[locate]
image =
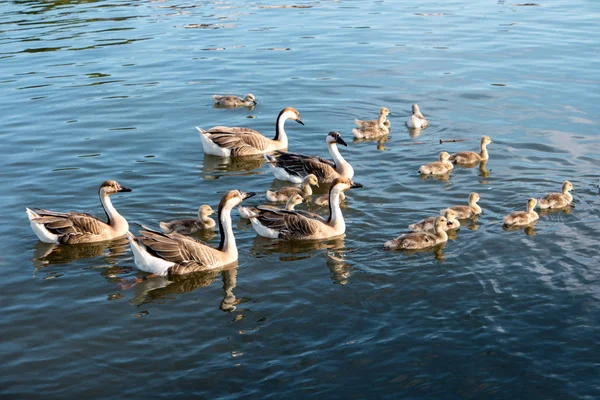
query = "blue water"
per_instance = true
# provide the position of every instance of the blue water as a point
(96, 90)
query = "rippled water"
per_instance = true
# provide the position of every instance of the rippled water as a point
(96, 90)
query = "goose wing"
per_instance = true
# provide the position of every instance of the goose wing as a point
(303, 165)
(465, 157)
(294, 224)
(553, 200)
(71, 223)
(241, 143)
(179, 249)
(417, 240)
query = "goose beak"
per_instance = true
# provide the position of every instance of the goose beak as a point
(341, 141)
(124, 189)
(247, 195)
(355, 185)
(299, 121)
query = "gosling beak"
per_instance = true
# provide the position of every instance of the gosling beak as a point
(247, 195)
(355, 185)
(341, 141)
(299, 121)
(124, 189)
(449, 223)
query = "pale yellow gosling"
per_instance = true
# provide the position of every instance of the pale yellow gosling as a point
(438, 167)
(427, 225)
(470, 157)
(470, 211)
(374, 128)
(558, 200)
(285, 193)
(188, 226)
(519, 218)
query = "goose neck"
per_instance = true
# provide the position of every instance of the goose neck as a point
(484, 153)
(115, 220)
(280, 134)
(336, 219)
(341, 165)
(227, 244)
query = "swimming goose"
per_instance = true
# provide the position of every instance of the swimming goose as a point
(235, 101)
(427, 225)
(416, 119)
(438, 167)
(519, 218)
(187, 226)
(470, 157)
(420, 240)
(294, 167)
(249, 212)
(175, 254)
(236, 141)
(285, 193)
(373, 128)
(557, 200)
(470, 211)
(304, 225)
(73, 227)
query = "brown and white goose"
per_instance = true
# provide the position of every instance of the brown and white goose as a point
(441, 167)
(285, 193)
(416, 119)
(249, 212)
(188, 226)
(465, 212)
(373, 128)
(303, 225)
(74, 227)
(163, 254)
(420, 240)
(521, 218)
(294, 167)
(236, 141)
(231, 101)
(428, 224)
(558, 200)
(470, 157)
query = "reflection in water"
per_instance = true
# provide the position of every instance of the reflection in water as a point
(214, 167)
(295, 249)
(567, 210)
(47, 254)
(437, 251)
(442, 178)
(250, 108)
(380, 142)
(341, 270)
(414, 132)
(159, 289)
(529, 230)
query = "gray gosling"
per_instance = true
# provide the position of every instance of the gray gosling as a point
(188, 226)
(235, 101)
(420, 240)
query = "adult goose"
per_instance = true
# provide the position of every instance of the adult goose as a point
(237, 141)
(74, 227)
(230, 101)
(304, 225)
(416, 120)
(521, 218)
(420, 240)
(187, 226)
(294, 167)
(163, 254)
(558, 200)
(470, 157)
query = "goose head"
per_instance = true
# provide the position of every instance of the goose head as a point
(312, 180)
(234, 198)
(250, 97)
(567, 187)
(384, 111)
(485, 140)
(531, 203)
(204, 211)
(474, 198)
(110, 187)
(291, 113)
(344, 184)
(440, 223)
(335, 137)
(444, 156)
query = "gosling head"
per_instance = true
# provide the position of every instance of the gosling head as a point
(205, 210)
(335, 137)
(440, 223)
(311, 179)
(295, 199)
(250, 97)
(444, 156)
(474, 198)
(531, 203)
(291, 113)
(110, 187)
(485, 140)
(384, 111)
(567, 187)
(415, 109)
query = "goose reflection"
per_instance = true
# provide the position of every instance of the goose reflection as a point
(340, 269)
(529, 230)
(214, 167)
(380, 142)
(442, 177)
(293, 250)
(159, 289)
(414, 132)
(546, 211)
(50, 254)
(437, 251)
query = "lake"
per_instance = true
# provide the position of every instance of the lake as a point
(97, 90)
